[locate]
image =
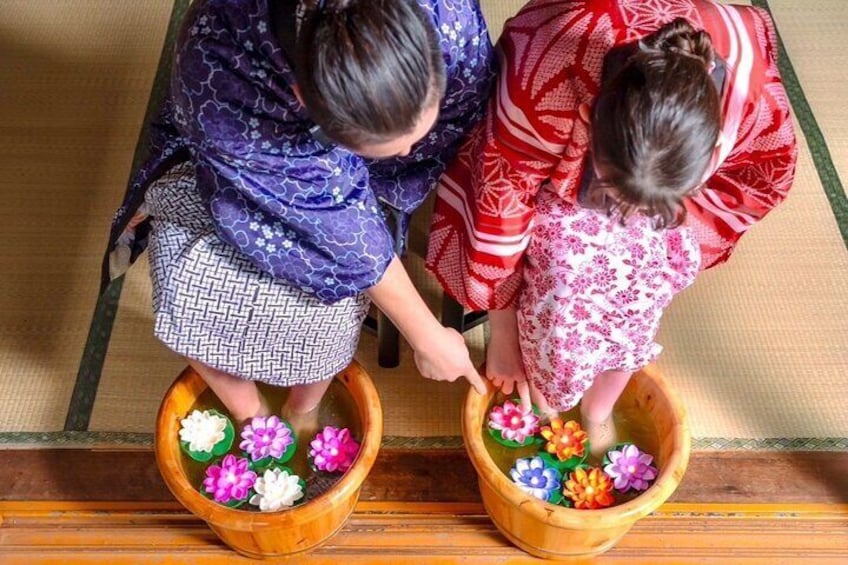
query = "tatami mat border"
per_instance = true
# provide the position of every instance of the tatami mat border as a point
(93, 356)
(118, 439)
(82, 400)
(831, 183)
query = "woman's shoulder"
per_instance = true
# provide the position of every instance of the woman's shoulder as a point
(227, 24)
(220, 14)
(225, 79)
(456, 21)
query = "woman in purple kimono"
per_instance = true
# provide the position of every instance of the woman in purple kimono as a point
(290, 127)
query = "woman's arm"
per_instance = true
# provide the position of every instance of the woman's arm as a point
(440, 352)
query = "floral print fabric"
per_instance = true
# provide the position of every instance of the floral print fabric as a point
(593, 293)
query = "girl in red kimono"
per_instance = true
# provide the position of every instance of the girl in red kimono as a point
(627, 146)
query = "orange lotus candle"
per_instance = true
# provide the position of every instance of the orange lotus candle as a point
(589, 489)
(565, 440)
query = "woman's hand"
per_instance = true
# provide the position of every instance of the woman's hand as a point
(440, 352)
(504, 365)
(446, 358)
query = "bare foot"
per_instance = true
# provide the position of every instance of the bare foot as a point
(304, 424)
(545, 410)
(602, 436)
(241, 418)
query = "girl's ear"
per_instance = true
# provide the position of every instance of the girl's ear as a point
(585, 112)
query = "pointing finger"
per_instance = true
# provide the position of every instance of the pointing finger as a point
(476, 380)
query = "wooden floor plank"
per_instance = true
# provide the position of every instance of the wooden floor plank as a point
(433, 533)
(87, 506)
(443, 475)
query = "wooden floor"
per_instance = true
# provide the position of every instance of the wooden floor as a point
(75, 506)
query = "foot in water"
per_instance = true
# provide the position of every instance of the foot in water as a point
(304, 424)
(602, 436)
(264, 410)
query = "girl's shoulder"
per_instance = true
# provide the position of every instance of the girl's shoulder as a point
(547, 36)
(564, 19)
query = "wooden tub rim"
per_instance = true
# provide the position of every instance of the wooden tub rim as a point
(560, 516)
(167, 451)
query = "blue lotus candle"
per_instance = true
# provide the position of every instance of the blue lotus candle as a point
(532, 476)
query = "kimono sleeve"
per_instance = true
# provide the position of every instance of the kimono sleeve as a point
(532, 134)
(311, 221)
(760, 169)
(301, 212)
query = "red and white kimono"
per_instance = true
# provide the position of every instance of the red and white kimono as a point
(533, 144)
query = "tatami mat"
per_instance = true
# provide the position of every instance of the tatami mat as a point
(75, 79)
(756, 348)
(814, 34)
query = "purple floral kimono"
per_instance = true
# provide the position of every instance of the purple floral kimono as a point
(305, 213)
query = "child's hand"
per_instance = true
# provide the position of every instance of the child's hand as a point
(445, 358)
(505, 368)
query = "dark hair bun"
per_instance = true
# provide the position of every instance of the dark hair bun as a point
(681, 38)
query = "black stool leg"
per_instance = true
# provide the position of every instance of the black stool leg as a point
(453, 314)
(388, 342)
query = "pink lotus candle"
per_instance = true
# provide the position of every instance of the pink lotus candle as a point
(230, 481)
(513, 422)
(333, 450)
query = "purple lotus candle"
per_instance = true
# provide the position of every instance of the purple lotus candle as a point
(629, 467)
(266, 437)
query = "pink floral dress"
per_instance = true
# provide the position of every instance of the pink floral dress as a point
(593, 293)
